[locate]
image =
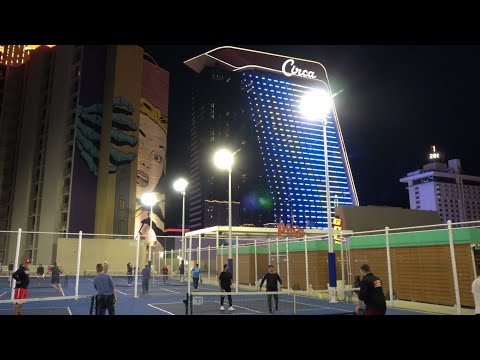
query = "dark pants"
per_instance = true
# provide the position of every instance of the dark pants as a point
(275, 296)
(105, 302)
(165, 278)
(222, 298)
(130, 279)
(374, 311)
(145, 286)
(195, 283)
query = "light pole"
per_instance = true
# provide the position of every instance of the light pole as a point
(180, 185)
(223, 159)
(315, 106)
(150, 199)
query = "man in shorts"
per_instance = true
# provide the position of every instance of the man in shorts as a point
(22, 280)
(55, 277)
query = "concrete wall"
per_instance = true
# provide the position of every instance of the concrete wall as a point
(117, 252)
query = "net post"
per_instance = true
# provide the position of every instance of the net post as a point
(191, 296)
(17, 252)
(294, 303)
(236, 264)
(171, 260)
(92, 304)
(185, 302)
(389, 265)
(79, 254)
(454, 268)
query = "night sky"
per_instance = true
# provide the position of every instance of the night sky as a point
(397, 101)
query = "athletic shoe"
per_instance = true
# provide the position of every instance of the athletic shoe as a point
(222, 308)
(231, 308)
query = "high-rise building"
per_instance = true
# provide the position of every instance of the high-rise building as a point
(442, 187)
(15, 55)
(83, 136)
(249, 101)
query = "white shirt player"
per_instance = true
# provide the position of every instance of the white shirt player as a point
(476, 294)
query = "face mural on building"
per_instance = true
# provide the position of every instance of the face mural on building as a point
(151, 167)
(152, 148)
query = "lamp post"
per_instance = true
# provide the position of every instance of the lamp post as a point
(150, 199)
(223, 159)
(315, 106)
(180, 185)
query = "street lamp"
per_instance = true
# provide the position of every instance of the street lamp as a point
(315, 106)
(180, 185)
(223, 159)
(150, 199)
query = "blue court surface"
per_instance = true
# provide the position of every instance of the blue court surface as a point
(167, 298)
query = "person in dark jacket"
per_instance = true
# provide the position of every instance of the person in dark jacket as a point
(371, 293)
(272, 279)
(129, 274)
(23, 279)
(145, 278)
(41, 271)
(55, 277)
(225, 281)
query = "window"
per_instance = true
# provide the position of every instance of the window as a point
(120, 226)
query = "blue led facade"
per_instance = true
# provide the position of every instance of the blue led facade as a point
(292, 149)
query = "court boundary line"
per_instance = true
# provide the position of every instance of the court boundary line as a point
(168, 312)
(238, 306)
(175, 292)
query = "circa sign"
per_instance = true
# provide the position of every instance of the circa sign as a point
(294, 231)
(289, 69)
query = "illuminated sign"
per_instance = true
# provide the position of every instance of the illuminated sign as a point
(289, 69)
(33, 47)
(434, 155)
(337, 225)
(294, 231)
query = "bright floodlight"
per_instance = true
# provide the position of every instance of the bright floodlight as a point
(315, 105)
(223, 159)
(180, 185)
(149, 199)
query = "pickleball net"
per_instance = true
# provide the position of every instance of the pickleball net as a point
(256, 303)
(63, 305)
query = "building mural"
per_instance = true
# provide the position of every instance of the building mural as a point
(152, 151)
